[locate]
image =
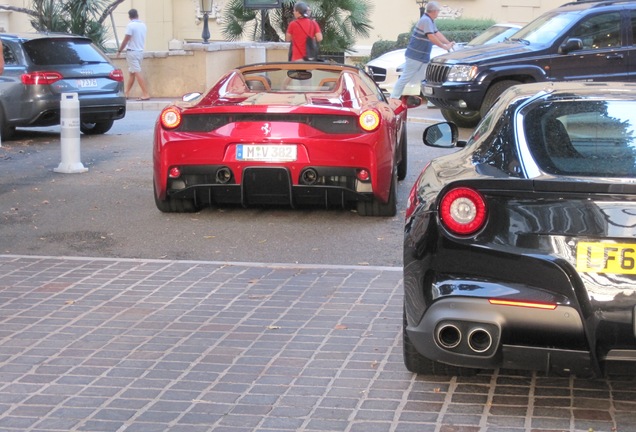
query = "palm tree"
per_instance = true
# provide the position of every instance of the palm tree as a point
(341, 21)
(82, 17)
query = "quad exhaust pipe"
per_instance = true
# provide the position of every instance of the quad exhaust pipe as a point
(449, 336)
(479, 340)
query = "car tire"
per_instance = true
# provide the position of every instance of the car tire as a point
(463, 119)
(403, 165)
(377, 208)
(172, 205)
(493, 93)
(417, 363)
(96, 128)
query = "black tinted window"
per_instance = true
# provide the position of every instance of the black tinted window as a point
(9, 55)
(46, 52)
(600, 31)
(584, 138)
(633, 24)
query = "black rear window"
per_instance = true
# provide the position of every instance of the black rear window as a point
(591, 138)
(48, 52)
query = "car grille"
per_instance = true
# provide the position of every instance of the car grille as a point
(378, 74)
(436, 73)
(325, 123)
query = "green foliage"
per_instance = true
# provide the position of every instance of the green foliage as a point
(341, 22)
(466, 24)
(458, 30)
(81, 17)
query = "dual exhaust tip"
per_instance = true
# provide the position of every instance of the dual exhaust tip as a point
(449, 336)
(309, 176)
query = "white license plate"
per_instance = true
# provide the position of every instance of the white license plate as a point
(266, 153)
(428, 90)
(86, 83)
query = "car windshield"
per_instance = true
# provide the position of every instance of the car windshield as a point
(284, 80)
(592, 138)
(48, 52)
(493, 34)
(545, 29)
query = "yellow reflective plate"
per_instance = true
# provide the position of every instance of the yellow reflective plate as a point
(605, 257)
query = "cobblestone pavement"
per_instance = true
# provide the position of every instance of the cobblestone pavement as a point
(146, 345)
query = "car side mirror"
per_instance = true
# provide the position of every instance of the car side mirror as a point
(442, 135)
(572, 44)
(413, 101)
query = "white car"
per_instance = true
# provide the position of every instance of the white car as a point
(387, 68)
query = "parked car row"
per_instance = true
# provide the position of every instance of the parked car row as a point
(519, 244)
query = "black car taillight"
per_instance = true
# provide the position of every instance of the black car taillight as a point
(463, 211)
(40, 78)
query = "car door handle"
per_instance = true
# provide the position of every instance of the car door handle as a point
(614, 56)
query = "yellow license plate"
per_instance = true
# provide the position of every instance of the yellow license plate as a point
(605, 257)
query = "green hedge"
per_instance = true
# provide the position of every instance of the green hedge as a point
(458, 30)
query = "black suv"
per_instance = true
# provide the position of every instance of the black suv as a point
(40, 67)
(579, 41)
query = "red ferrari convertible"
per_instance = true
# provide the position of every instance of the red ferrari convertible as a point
(292, 134)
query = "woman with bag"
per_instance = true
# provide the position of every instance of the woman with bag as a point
(303, 32)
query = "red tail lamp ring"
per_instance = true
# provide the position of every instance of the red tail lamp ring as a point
(171, 118)
(369, 120)
(463, 211)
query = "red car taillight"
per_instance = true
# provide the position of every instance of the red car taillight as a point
(40, 78)
(116, 75)
(170, 118)
(463, 211)
(369, 120)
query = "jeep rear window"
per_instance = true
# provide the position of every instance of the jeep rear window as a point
(48, 52)
(592, 138)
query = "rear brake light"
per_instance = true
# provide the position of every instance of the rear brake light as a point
(174, 172)
(40, 78)
(116, 75)
(526, 304)
(463, 211)
(363, 175)
(170, 118)
(369, 120)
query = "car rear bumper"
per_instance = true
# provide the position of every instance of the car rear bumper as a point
(266, 185)
(471, 332)
(46, 112)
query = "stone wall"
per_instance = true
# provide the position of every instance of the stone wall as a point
(196, 66)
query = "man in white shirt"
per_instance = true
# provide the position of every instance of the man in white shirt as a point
(134, 43)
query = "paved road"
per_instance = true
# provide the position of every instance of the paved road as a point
(109, 210)
(152, 345)
(114, 344)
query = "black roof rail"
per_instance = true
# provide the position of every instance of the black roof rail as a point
(597, 3)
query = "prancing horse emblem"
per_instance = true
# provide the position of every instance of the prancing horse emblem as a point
(266, 128)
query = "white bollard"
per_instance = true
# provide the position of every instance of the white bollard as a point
(70, 137)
